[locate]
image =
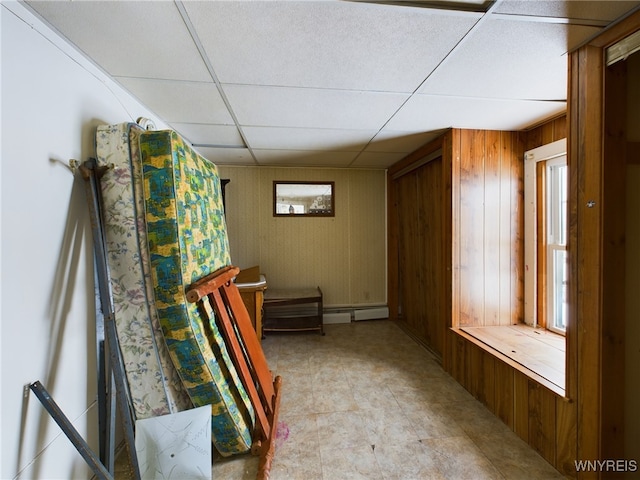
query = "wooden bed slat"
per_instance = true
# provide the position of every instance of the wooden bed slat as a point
(248, 357)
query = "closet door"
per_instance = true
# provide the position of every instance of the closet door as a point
(420, 255)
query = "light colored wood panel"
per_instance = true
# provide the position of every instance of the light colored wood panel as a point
(540, 352)
(507, 239)
(517, 229)
(471, 231)
(492, 244)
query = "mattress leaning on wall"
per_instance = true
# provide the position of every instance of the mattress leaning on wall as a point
(192, 362)
(154, 384)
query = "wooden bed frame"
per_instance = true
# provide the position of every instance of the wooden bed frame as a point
(248, 357)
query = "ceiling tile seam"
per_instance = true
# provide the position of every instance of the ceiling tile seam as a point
(205, 58)
(581, 22)
(306, 87)
(456, 47)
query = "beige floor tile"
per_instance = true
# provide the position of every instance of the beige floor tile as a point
(355, 463)
(460, 458)
(367, 402)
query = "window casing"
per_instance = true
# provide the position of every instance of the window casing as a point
(546, 268)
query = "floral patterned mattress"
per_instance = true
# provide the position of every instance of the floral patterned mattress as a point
(165, 229)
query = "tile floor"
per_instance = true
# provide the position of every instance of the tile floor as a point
(367, 402)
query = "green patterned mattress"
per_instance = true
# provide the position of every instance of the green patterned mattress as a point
(172, 234)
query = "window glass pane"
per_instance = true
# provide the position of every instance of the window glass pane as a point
(556, 208)
(560, 289)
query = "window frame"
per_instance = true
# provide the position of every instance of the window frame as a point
(553, 240)
(535, 228)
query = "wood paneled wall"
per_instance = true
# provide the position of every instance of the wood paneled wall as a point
(487, 227)
(481, 211)
(597, 149)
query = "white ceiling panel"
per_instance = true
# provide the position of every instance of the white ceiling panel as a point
(203, 134)
(509, 59)
(306, 158)
(185, 102)
(129, 38)
(312, 108)
(333, 83)
(392, 141)
(227, 156)
(430, 112)
(376, 159)
(324, 44)
(308, 138)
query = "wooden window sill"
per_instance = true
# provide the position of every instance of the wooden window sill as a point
(537, 353)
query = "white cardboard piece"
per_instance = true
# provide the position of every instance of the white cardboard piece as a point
(175, 446)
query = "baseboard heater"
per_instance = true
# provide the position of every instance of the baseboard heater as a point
(348, 315)
(370, 313)
(336, 317)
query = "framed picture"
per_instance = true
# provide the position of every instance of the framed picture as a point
(303, 199)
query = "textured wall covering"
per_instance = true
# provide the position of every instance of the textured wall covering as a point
(345, 255)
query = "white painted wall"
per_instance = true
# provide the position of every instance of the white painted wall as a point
(52, 100)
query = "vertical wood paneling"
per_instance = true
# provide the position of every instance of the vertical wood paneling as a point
(507, 240)
(587, 128)
(542, 421)
(488, 240)
(482, 381)
(614, 260)
(566, 436)
(492, 244)
(418, 216)
(504, 393)
(517, 229)
(521, 405)
(471, 228)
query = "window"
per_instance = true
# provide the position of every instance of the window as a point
(546, 268)
(555, 245)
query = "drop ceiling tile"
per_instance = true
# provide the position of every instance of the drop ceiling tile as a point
(308, 138)
(307, 158)
(377, 159)
(425, 113)
(209, 134)
(183, 102)
(130, 38)
(324, 44)
(406, 142)
(510, 59)
(312, 108)
(608, 10)
(227, 156)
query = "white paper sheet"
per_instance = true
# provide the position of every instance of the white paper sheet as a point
(175, 446)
